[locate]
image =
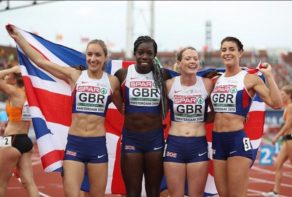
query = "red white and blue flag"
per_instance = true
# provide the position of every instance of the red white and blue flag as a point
(50, 100)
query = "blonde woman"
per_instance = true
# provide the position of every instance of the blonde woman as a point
(92, 91)
(186, 151)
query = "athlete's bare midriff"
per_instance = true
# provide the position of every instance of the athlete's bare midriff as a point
(187, 129)
(225, 122)
(142, 122)
(87, 125)
(14, 128)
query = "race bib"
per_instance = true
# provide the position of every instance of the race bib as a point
(188, 108)
(144, 93)
(91, 99)
(224, 98)
(246, 144)
(6, 141)
(25, 112)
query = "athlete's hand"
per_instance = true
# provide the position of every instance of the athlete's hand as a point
(16, 69)
(274, 140)
(265, 68)
(11, 29)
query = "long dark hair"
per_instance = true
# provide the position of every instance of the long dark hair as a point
(160, 84)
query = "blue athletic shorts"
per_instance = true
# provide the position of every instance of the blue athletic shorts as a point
(181, 149)
(86, 149)
(137, 142)
(230, 144)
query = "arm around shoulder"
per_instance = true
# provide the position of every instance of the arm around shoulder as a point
(116, 93)
(121, 74)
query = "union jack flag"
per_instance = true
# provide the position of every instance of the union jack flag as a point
(50, 101)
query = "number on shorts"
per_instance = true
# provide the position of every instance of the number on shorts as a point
(6, 141)
(246, 144)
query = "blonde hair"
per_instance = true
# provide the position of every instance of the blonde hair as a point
(288, 90)
(176, 68)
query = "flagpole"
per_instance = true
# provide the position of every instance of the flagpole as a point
(152, 18)
(129, 30)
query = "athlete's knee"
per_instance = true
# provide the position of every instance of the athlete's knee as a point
(235, 194)
(132, 192)
(26, 183)
(97, 192)
(153, 192)
(3, 189)
(69, 192)
(278, 166)
(222, 193)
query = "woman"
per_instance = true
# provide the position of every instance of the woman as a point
(286, 132)
(231, 99)
(16, 148)
(142, 135)
(186, 152)
(92, 90)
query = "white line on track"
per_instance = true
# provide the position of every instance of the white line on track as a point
(269, 171)
(268, 182)
(40, 193)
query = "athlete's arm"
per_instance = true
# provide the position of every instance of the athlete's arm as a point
(209, 85)
(271, 96)
(8, 89)
(116, 94)
(61, 72)
(287, 126)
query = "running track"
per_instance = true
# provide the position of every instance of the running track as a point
(50, 184)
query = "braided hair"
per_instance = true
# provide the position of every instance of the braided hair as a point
(156, 69)
(160, 84)
(143, 39)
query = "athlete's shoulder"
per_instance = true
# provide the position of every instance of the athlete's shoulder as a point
(121, 74)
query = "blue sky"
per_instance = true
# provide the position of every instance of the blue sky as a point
(259, 24)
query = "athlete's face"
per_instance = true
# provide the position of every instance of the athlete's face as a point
(144, 57)
(190, 62)
(95, 57)
(230, 54)
(285, 97)
(10, 79)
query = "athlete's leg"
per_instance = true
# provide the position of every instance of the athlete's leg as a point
(132, 167)
(26, 174)
(97, 173)
(175, 174)
(237, 175)
(280, 160)
(73, 176)
(289, 149)
(153, 172)
(220, 176)
(197, 174)
(8, 159)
